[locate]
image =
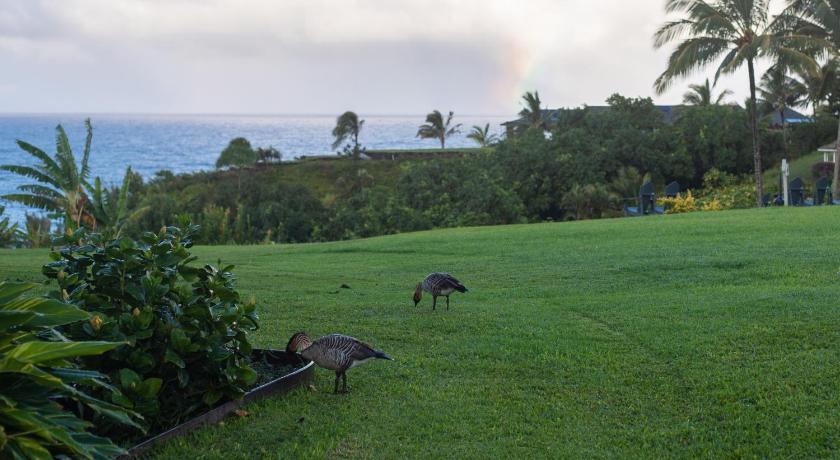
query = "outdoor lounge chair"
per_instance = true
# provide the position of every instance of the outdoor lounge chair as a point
(647, 202)
(672, 189)
(797, 193)
(822, 192)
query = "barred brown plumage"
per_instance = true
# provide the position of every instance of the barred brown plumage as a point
(335, 352)
(438, 284)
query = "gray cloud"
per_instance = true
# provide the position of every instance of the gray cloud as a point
(321, 56)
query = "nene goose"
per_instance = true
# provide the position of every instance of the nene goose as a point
(335, 352)
(438, 284)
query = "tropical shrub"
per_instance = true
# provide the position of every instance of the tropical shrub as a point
(38, 367)
(729, 191)
(10, 235)
(679, 204)
(185, 328)
(110, 206)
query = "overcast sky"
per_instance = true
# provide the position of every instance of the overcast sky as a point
(326, 56)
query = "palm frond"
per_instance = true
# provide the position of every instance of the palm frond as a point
(689, 56)
(41, 190)
(49, 164)
(64, 155)
(34, 201)
(86, 154)
(32, 173)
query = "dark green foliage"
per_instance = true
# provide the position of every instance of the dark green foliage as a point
(588, 201)
(185, 328)
(458, 192)
(370, 212)
(238, 153)
(524, 177)
(259, 209)
(38, 366)
(807, 137)
(715, 136)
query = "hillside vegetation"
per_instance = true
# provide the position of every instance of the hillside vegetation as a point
(700, 335)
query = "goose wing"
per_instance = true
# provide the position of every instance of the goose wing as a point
(354, 349)
(449, 280)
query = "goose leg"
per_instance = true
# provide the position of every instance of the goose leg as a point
(447, 303)
(337, 375)
(434, 302)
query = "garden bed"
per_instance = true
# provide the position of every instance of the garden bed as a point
(279, 372)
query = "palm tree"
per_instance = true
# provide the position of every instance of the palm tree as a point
(436, 128)
(348, 126)
(532, 112)
(817, 82)
(61, 184)
(815, 24)
(778, 92)
(482, 136)
(701, 95)
(738, 31)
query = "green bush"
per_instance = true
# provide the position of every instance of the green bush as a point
(37, 365)
(185, 329)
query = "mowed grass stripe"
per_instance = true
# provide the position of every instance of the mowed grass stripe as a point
(703, 335)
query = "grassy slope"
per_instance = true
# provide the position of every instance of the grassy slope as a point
(800, 167)
(711, 334)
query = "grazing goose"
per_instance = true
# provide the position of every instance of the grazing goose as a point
(438, 284)
(335, 352)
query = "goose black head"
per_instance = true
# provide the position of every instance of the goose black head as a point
(418, 293)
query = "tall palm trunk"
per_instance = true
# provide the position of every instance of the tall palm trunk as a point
(759, 185)
(443, 141)
(784, 133)
(835, 182)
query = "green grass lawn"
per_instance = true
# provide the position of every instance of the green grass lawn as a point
(702, 335)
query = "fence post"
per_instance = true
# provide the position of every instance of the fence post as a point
(785, 173)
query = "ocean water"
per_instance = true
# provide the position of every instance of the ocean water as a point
(186, 143)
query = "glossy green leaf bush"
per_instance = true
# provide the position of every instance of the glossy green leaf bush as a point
(37, 370)
(185, 328)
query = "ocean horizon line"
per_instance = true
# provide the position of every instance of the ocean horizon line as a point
(234, 114)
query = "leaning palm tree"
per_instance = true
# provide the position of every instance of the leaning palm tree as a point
(347, 127)
(779, 92)
(701, 95)
(482, 136)
(737, 32)
(438, 128)
(61, 184)
(815, 25)
(532, 112)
